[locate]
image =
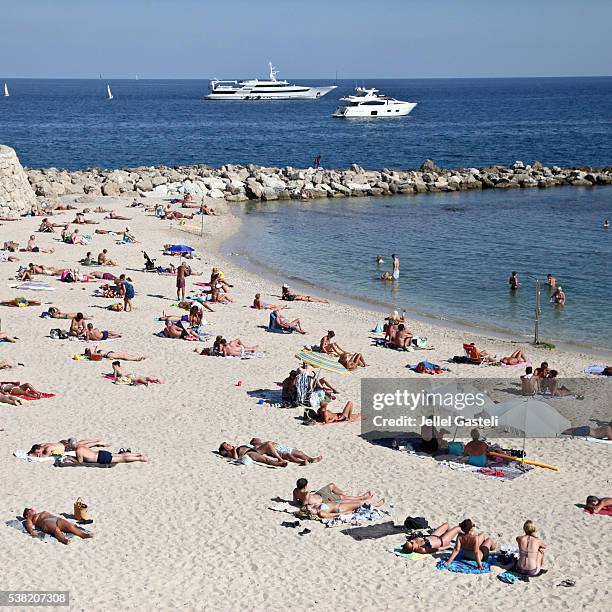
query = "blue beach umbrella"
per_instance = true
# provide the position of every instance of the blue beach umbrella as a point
(180, 248)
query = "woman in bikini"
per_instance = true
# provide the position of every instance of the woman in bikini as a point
(53, 525)
(325, 416)
(124, 378)
(17, 388)
(112, 355)
(334, 509)
(352, 361)
(238, 452)
(288, 296)
(514, 359)
(439, 539)
(56, 313)
(531, 552)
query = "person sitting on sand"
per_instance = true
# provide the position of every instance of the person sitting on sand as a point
(128, 236)
(433, 439)
(93, 333)
(124, 378)
(90, 352)
(56, 313)
(551, 384)
(439, 539)
(529, 384)
(325, 416)
(56, 526)
(88, 260)
(328, 346)
(45, 449)
(218, 296)
(352, 361)
(474, 546)
(47, 227)
(476, 447)
(84, 454)
(246, 450)
(286, 323)
(514, 359)
(207, 210)
(177, 330)
(283, 452)
(81, 220)
(531, 552)
(330, 493)
(558, 297)
(117, 216)
(601, 432)
(259, 305)
(77, 326)
(289, 392)
(76, 238)
(32, 247)
(104, 259)
(289, 296)
(400, 337)
(332, 510)
(5, 255)
(595, 504)
(17, 388)
(4, 337)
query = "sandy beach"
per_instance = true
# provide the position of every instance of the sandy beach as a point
(189, 530)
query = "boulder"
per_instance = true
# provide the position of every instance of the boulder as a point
(144, 184)
(429, 166)
(215, 194)
(110, 188)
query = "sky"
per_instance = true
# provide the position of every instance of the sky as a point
(304, 38)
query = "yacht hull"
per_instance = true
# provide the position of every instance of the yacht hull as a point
(301, 93)
(367, 112)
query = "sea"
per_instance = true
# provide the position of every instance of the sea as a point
(456, 250)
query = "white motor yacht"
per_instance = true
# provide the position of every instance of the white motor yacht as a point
(369, 103)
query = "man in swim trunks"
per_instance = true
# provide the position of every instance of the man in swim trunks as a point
(181, 273)
(330, 493)
(238, 452)
(401, 338)
(93, 333)
(84, 454)
(513, 281)
(104, 260)
(328, 346)
(396, 266)
(439, 539)
(474, 546)
(112, 355)
(56, 526)
(283, 452)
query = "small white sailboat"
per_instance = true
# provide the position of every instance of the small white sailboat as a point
(109, 92)
(6, 91)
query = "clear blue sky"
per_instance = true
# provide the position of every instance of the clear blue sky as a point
(308, 39)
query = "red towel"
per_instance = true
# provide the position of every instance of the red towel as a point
(607, 511)
(25, 397)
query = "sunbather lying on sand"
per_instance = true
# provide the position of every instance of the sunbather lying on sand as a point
(177, 330)
(328, 494)
(259, 305)
(56, 526)
(325, 416)
(283, 452)
(93, 333)
(84, 454)
(439, 539)
(6, 364)
(289, 296)
(56, 313)
(551, 385)
(287, 324)
(10, 399)
(238, 452)
(7, 338)
(44, 449)
(514, 359)
(474, 546)
(596, 504)
(194, 318)
(125, 378)
(21, 301)
(114, 215)
(112, 355)
(34, 269)
(233, 348)
(17, 388)
(331, 510)
(602, 432)
(81, 220)
(351, 361)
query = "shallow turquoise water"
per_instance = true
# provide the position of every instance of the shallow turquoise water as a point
(456, 250)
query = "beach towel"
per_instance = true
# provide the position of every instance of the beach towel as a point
(122, 381)
(464, 566)
(426, 367)
(23, 455)
(33, 286)
(508, 577)
(522, 364)
(361, 515)
(607, 511)
(413, 556)
(25, 397)
(18, 524)
(590, 439)
(594, 369)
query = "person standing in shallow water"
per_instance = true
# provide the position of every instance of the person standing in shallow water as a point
(396, 266)
(513, 281)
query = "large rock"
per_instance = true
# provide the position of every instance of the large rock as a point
(16, 194)
(110, 189)
(429, 166)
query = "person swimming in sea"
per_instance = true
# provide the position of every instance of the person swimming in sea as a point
(606, 224)
(513, 281)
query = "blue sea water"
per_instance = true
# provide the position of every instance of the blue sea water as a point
(458, 122)
(455, 262)
(456, 252)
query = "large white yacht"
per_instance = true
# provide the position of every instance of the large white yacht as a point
(270, 89)
(369, 103)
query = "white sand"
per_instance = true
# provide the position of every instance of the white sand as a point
(190, 531)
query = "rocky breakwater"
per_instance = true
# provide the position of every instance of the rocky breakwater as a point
(16, 195)
(235, 183)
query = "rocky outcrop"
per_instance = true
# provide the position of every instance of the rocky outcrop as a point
(16, 193)
(236, 183)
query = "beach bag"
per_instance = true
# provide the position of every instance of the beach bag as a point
(380, 327)
(455, 448)
(81, 511)
(419, 342)
(416, 522)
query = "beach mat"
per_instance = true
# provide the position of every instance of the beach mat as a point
(465, 566)
(414, 556)
(42, 396)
